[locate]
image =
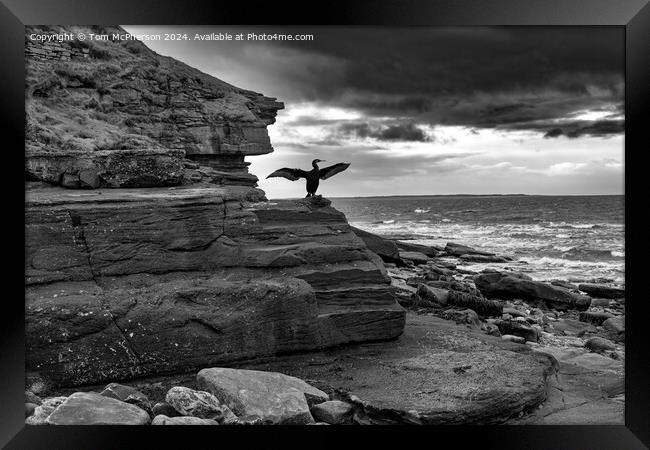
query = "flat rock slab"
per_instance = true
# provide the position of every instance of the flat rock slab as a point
(506, 285)
(86, 408)
(602, 291)
(275, 397)
(414, 257)
(39, 194)
(435, 373)
(588, 389)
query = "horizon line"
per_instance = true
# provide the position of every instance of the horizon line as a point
(463, 195)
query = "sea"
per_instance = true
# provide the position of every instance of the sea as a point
(571, 238)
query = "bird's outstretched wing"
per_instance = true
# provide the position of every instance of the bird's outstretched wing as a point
(289, 174)
(330, 171)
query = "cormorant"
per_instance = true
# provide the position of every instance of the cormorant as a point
(313, 177)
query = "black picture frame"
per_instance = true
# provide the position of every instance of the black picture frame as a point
(634, 15)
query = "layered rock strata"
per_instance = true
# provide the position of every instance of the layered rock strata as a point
(127, 276)
(130, 282)
(92, 105)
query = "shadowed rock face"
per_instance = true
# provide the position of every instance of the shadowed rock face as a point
(132, 282)
(116, 114)
(145, 279)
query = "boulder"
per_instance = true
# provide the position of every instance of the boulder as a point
(615, 328)
(201, 404)
(333, 412)
(571, 327)
(127, 394)
(516, 328)
(274, 397)
(615, 324)
(415, 257)
(83, 408)
(460, 250)
(436, 276)
(458, 294)
(436, 269)
(599, 345)
(594, 317)
(181, 420)
(477, 303)
(491, 329)
(43, 411)
(164, 409)
(429, 250)
(465, 317)
(506, 285)
(30, 397)
(600, 302)
(387, 250)
(602, 291)
(427, 295)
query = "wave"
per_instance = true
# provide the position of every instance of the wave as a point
(561, 262)
(587, 253)
(583, 226)
(420, 211)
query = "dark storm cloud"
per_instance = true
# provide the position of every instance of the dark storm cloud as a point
(478, 77)
(601, 128)
(553, 132)
(475, 77)
(398, 132)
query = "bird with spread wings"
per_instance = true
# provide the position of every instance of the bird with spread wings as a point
(313, 176)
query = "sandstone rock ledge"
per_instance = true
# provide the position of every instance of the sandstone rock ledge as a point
(435, 373)
(129, 282)
(115, 114)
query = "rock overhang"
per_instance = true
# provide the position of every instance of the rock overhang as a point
(120, 98)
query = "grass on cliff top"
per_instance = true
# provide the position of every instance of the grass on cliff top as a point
(124, 96)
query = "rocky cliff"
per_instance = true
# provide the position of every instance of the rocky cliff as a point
(116, 114)
(135, 277)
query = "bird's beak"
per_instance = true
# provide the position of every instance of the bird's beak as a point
(321, 160)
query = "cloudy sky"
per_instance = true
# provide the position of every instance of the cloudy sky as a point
(431, 110)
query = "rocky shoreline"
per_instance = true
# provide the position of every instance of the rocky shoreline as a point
(564, 349)
(163, 288)
(581, 325)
